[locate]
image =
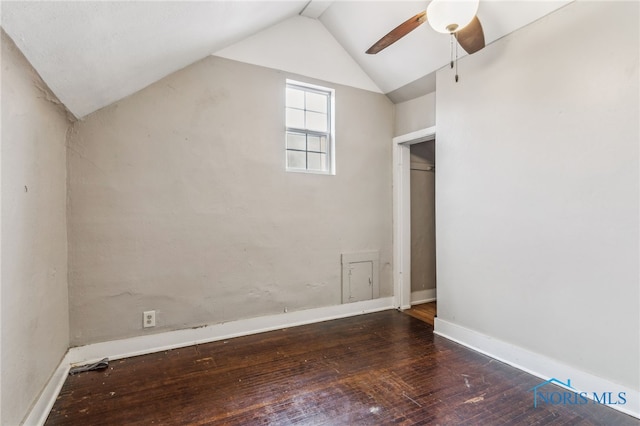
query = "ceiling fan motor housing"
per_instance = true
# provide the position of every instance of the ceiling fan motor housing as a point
(449, 16)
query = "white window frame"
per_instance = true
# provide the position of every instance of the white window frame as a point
(331, 152)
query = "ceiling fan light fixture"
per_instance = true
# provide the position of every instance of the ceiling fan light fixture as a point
(449, 16)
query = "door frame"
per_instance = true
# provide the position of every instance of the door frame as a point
(401, 146)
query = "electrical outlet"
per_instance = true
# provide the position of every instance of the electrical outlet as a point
(148, 319)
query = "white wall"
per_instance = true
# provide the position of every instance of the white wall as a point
(538, 190)
(35, 322)
(179, 202)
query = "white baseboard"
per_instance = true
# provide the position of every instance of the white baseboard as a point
(141, 345)
(44, 403)
(537, 364)
(423, 296)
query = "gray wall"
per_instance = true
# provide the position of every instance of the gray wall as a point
(415, 114)
(35, 322)
(538, 190)
(179, 202)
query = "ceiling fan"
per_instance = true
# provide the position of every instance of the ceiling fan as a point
(455, 17)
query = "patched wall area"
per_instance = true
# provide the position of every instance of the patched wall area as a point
(180, 203)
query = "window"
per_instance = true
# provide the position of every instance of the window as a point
(309, 122)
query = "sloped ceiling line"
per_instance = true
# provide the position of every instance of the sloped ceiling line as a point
(92, 54)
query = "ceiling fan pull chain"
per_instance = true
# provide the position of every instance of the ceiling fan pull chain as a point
(451, 50)
(456, 35)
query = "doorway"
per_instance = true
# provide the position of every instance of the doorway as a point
(402, 213)
(422, 168)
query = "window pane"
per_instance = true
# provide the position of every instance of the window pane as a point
(317, 161)
(296, 141)
(295, 98)
(316, 121)
(296, 160)
(323, 144)
(317, 143)
(308, 117)
(295, 118)
(316, 102)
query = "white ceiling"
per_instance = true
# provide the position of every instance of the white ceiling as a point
(93, 53)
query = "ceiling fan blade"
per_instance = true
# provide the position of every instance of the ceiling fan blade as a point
(398, 32)
(471, 37)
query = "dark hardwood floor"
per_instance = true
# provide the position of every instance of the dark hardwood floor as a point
(375, 369)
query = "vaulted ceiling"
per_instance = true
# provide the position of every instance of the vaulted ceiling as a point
(93, 53)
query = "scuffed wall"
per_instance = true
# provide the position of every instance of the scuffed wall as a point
(537, 190)
(35, 321)
(179, 203)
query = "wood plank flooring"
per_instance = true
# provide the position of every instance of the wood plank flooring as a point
(425, 312)
(374, 369)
